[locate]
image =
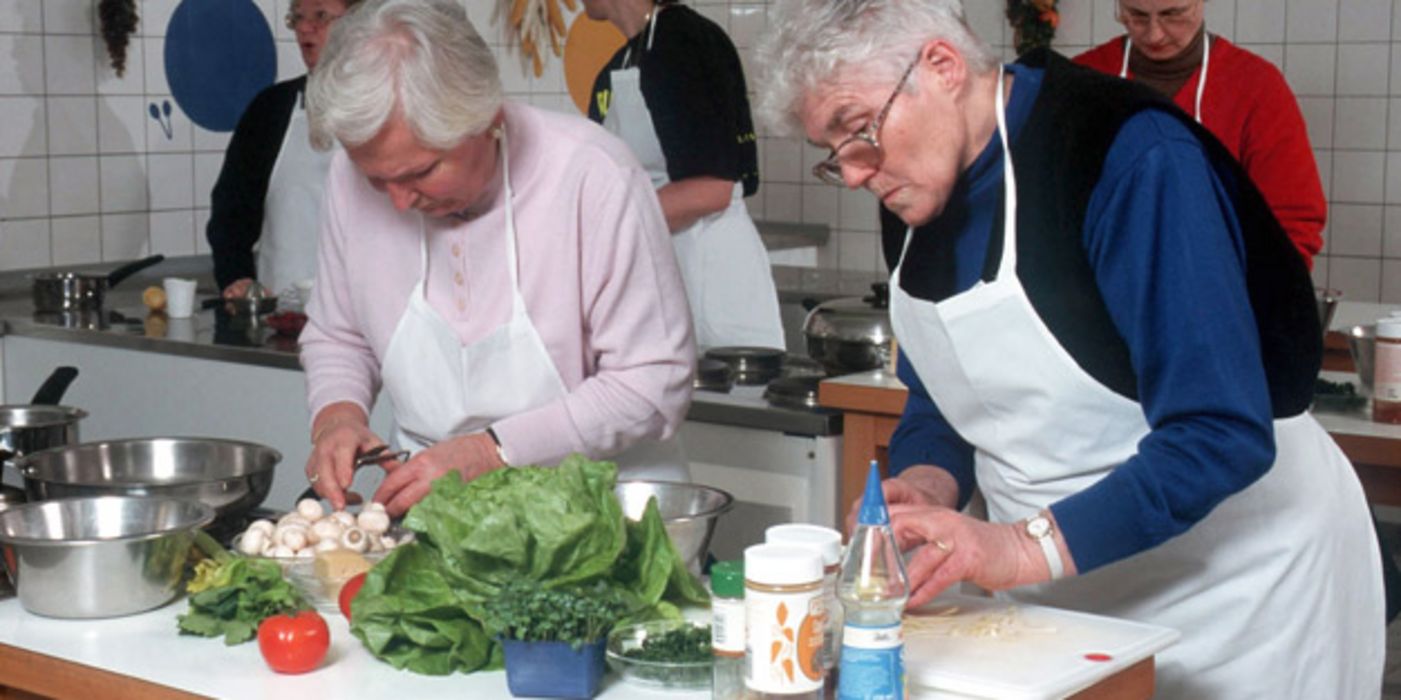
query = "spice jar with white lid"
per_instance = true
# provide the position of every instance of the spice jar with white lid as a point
(1386, 378)
(783, 622)
(828, 543)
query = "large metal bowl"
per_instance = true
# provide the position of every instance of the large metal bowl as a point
(99, 557)
(230, 476)
(689, 512)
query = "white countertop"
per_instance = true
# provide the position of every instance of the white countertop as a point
(148, 646)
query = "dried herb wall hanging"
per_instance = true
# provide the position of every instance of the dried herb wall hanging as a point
(118, 21)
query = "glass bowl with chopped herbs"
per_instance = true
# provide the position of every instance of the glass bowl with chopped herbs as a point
(666, 654)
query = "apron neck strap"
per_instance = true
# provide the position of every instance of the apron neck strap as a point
(503, 147)
(1009, 184)
(1201, 74)
(651, 34)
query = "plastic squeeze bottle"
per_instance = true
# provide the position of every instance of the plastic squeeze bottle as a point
(873, 589)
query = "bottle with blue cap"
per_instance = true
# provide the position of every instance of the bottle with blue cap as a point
(873, 589)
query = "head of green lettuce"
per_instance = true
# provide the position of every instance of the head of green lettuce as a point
(421, 608)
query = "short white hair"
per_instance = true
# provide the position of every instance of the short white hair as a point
(420, 59)
(811, 42)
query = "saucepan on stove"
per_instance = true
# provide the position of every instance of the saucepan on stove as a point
(42, 423)
(851, 334)
(56, 292)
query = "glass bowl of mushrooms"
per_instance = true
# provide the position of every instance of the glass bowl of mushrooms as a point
(320, 550)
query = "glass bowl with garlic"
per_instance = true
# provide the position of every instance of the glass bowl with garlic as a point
(320, 550)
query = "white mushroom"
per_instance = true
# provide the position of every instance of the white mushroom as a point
(374, 507)
(326, 529)
(406, 538)
(293, 518)
(354, 539)
(310, 509)
(344, 518)
(253, 541)
(387, 542)
(328, 544)
(305, 553)
(264, 525)
(268, 548)
(292, 537)
(282, 551)
(373, 521)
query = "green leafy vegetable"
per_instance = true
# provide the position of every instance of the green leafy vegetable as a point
(524, 610)
(685, 644)
(423, 607)
(229, 599)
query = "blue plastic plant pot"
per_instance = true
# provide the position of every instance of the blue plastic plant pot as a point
(553, 669)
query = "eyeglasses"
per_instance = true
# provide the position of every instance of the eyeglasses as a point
(861, 149)
(318, 19)
(1172, 17)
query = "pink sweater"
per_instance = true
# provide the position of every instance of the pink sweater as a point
(597, 271)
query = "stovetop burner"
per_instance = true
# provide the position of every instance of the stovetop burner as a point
(794, 392)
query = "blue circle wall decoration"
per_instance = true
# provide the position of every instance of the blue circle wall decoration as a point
(218, 55)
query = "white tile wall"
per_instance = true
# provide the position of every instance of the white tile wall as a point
(71, 124)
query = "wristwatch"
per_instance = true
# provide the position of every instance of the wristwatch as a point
(500, 453)
(1038, 527)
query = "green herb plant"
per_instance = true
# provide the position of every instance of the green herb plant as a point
(230, 595)
(683, 645)
(529, 612)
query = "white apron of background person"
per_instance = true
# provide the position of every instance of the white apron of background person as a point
(442, 388)
(292, 209)
(723, 262)
(1281, 571)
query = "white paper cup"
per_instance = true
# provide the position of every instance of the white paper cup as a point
(179, 297)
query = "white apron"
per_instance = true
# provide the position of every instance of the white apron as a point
(1277, 593)
(441, 388)
(723, 261)
(292, 209)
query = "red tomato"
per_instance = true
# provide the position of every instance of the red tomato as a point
(348, 592)
(294, 643)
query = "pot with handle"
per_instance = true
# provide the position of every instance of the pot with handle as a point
(57, 292)
(851, 334)
(26, 428)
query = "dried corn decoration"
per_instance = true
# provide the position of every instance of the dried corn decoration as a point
(537, 24)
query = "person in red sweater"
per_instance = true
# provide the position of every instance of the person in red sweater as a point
(1237, 95)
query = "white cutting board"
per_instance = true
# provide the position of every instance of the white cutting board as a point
(967, 646)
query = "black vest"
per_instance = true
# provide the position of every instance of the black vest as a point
(1059, 155)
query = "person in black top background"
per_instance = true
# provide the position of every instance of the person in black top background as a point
(265, 207)
(675, 92)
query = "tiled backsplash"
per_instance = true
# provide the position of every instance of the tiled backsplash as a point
(88, 174)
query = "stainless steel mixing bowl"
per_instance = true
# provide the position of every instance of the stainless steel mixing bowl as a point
(231, 476)
(689, 512)
(99, 557)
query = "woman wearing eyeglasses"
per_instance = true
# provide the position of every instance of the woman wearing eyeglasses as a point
(1105, 333)
(675, 93)
(265, 207)
(1238, 96)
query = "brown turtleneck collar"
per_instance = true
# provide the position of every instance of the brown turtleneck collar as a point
(1168, 76)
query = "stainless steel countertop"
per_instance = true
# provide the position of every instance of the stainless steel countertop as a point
(216, 336)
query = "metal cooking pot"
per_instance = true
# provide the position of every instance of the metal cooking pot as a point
(851, 334)
(55, 292)
(231, 476)
(41, 424)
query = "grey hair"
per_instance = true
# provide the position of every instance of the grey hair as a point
(813, 42)
(421, 59)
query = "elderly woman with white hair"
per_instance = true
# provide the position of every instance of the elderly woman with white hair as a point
(501, 271)
(1125, 379)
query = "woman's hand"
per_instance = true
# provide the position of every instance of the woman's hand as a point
(408, 482)
(238, 288)
(919, 485)
(338, 437)
(953, 547)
